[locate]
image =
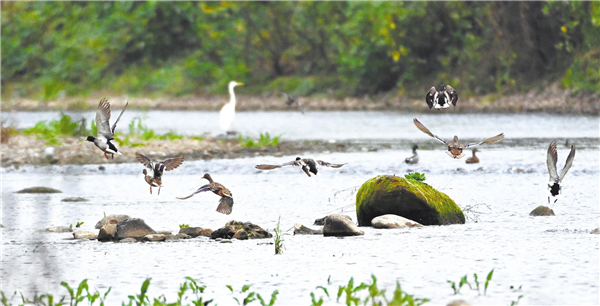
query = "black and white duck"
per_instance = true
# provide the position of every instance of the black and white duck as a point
(441, 98)
(106, 133)
(154, 176)
(455, 149)
(308, 165)
(414, 158)
(554, 186)
(226, 201)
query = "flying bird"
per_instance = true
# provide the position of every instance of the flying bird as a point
(106, 133)
(226, 201)
(290, 101)
(555, 179)
(473, 159)
(227, 113)
(414, 158)
(308, 165)
(455, 150)
(441, 98)
(154, 176)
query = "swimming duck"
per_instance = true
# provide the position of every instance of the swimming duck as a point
(307, 165)
(455, 150)
(555, 180)
(226, 201)
(442, 98)
(106, 133)
(414, 158)
(290, 101)
(154, 177)
(473, 159)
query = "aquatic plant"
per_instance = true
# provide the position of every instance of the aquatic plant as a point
(416, 176)
(265, 140)
(464, 280)
(184, 225)
(513, 289)
(65, 126)
(249, 297)
(278, 238)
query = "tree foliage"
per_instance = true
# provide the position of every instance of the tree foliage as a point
(176, 48)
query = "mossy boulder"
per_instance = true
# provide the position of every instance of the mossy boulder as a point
(417, 201)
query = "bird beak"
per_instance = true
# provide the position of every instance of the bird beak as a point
(239, 84)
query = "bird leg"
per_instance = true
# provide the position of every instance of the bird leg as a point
(150, 189)
(105, 155)
(159, 190)
(113, 156)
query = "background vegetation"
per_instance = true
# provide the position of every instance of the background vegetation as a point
(331, 48)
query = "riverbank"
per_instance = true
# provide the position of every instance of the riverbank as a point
(551, 100)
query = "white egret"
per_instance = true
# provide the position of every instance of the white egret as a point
(228, 111)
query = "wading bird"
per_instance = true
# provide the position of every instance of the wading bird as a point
(226, 201)
(441, 98)
(106, 133)
(227, 113)
(414, 158)
(473, 159)
(290, 101)
(154, 177)
(307, 165)
(455, 150)
(555, 180)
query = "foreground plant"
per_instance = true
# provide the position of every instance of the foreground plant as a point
(416, 176)
(278, 238)
(464, 281)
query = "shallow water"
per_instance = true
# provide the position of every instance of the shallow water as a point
(555, 259)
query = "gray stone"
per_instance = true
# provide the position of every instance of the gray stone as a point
(253, 231)
(196, 231)
(596, 231)
(59, 229)
(74, 199)
(393, 221)
(128, 240)
(133, 228)
(225, 241)
(340, 225)
(300, 229)
(458, 303)
(86, 235)
(166, 233)
(108, 232)
(154, 237)
(320, 221)
(107, 219)
(542, 211)
(39, 190)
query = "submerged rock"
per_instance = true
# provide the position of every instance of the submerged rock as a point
(417, 201)
(393, 221)
(340, 225)
(458, 303)
(39, 190)
(128, 240)
(250, 231)
(300, 229)
(154, 238)
(542, 211)
(196, 231)
(133, 228)
(59, 229)
(596, 231)
(74, 199)
(86, 235)
(106, 220)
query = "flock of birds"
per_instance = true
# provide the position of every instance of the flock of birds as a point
(438, 99)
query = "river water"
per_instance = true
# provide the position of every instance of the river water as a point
(555, 259)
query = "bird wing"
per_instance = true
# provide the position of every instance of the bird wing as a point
(453, 94)
(300, 108)
(271, 167)
(172, 163)
(144, 160)
(551, 159)
(206, 187)
(114, 126)
(429, 98)
(567, 164)
(225, 204)
(487, 141)
(102, 118)
(425, 130)
(326, 164)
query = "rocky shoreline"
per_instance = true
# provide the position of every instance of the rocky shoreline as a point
(551, 100)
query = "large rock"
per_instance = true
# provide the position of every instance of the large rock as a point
(417, 201)
(320, 221)
(133, 228)
(107, 219)
(542, 211)
(196, 231)
(340, 225)
(108, 232)
(596, 231)
(39, 190)
(247, 231)
(300, 229)
(393, 221)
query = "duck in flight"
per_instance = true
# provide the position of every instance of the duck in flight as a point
(555, 180)
(226, 201)
(441, 98)
(308, 165)
(290, 101)
(414, 158)
(154, 177)
(106, 133)
(455, 150)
